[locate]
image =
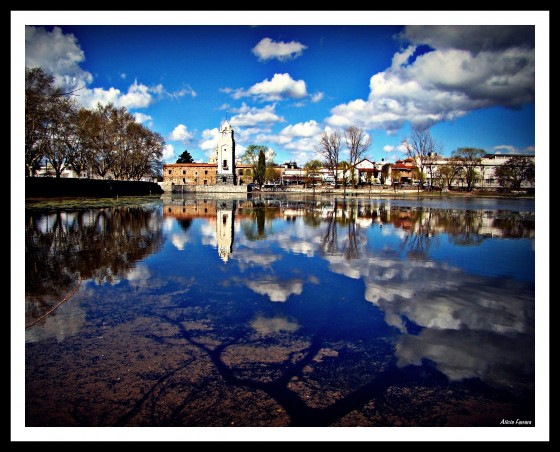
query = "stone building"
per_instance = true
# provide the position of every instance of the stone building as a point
(190, 173)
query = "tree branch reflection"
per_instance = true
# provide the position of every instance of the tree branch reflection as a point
(98, 244)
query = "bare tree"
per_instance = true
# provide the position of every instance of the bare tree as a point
(345, 167)
(448, 172)
(469, 159)
(40, 94)
(102, 140)
(79, 156)
(312, 171)
(106, 140)
(423, 148)
(329, 148)
(357, 142)
(58, 144)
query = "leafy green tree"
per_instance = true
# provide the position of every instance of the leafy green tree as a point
(251, 157)
(185, 157)
(260, 173)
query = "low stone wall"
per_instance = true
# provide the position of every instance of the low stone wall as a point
(50, 187)
(167, 187)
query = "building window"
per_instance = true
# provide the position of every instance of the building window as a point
(225, 164)
(224, 219)
(184, 172)
(224, 179)
(205, 182)
(169, 171)
(241, 172)
(205, 171)
(184, 181)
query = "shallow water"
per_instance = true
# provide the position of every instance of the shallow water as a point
(281, 311)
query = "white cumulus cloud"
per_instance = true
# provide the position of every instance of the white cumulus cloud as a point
(141, 117)
(469, 68)
(58, 54)
(250, 116)
(209, 139)
(302, 129)
(182, 134)
(168, 152)
(279, 87)
(317, 96)
(268, 49)
(391, 148)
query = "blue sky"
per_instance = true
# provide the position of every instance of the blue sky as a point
(281, 86)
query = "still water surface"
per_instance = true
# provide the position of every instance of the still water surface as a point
(281, 311)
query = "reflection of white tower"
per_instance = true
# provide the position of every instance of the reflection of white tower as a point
(226, 155)
(224, 231)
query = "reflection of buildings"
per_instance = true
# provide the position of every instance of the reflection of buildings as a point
(220, 212)
(417, 225)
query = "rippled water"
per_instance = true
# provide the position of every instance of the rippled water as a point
(281, 311)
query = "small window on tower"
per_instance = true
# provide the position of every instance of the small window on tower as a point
(225, 164)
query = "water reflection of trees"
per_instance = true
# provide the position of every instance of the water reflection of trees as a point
(261, 215)
(185, 223)
(515, 226)
(101, 244)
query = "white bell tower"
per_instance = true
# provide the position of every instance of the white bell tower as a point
(226, 156)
